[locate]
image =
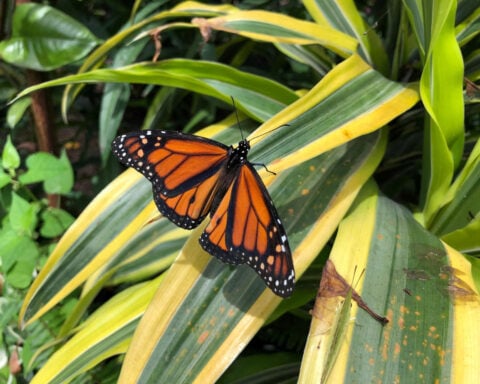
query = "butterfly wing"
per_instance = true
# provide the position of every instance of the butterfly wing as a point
(185, 171)
(245, 228)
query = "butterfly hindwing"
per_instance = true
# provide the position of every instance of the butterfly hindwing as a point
(245, 228)
(185, 171)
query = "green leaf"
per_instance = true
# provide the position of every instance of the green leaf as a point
(461, 202)
(344, 17)
(441, 90)
(9, 310)
(55, 222)
(5, 179)
(56, 173)
(426, 293)
(23, 215)
(112, 207)
(105, 333)
(19, 255)
(44, 38)
(467, 19)
(17, 110)
(115, 99)
(10, 156)
(257, 96)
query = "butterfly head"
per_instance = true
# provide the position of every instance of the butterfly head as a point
(238, 155)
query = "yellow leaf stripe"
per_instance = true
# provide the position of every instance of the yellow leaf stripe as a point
(277, 28)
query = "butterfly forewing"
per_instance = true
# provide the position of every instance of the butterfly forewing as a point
(245, 228)
(185, 171)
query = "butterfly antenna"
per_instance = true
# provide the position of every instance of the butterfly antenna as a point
(265, 133)
(240, 127)
(236, 115)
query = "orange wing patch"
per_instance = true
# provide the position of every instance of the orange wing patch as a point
(188, 209)
(185, 171)
(252, 215)
(213, 239)
(245, 228)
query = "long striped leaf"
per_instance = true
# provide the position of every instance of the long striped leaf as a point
(344, 16)
(423, 287)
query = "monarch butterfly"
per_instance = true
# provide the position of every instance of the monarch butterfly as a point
(193, 176)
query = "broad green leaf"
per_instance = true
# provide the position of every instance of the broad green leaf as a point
(23, 215)
(44, 38)
(114, 101)
(475, 266)
(54, 222)
(5, 179)
(427, 290)
(55, 173)
(10, 156)
(330, 321)
(309, 55)
(18, 258)
(147, 253)
(416, 16)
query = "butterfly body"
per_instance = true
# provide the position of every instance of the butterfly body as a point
(192, 177)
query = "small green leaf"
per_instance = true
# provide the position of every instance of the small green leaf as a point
(21, 275)
(9, 309)
(17, 110)
(10, 156)
(44, 38)
(19, 255)
(23, 215)
(55, 222)
(5, 179)
(56, 173)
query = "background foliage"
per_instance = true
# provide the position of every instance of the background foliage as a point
(377, 171)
